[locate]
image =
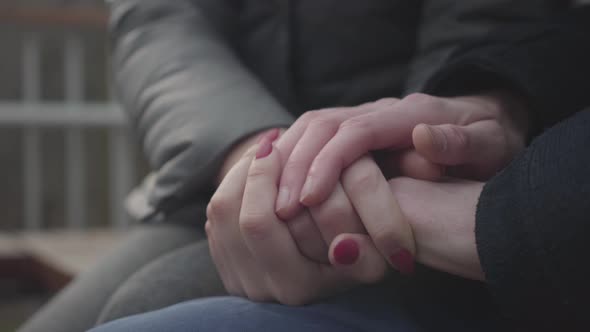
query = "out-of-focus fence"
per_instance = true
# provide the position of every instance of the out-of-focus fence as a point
(72, 115)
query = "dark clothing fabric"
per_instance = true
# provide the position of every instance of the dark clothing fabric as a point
(533, 219)
(198, 75)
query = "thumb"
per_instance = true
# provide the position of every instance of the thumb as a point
(452, 145)
(356, 256)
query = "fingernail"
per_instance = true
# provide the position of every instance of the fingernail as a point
(346, 252)
(403, 261)
(264, 149)
(271, 135)
(283, 198)
(439, 140)
(307, 189)
(265, 143)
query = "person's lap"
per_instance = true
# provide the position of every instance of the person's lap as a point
(181, 275)
(385, 307)
(361, 310)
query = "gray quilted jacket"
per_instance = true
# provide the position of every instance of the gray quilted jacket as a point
(196, 76)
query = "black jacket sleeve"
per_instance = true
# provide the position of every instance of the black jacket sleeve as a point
(532, 229)
(533, 219)
(547, 62)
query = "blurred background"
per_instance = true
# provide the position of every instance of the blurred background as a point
(66, 159)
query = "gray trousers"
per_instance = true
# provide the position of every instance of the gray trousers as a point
(159, 265)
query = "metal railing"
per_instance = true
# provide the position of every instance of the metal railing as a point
(73, 115)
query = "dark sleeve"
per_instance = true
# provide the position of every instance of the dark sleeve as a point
(186, 92)
(446, 24)
(533, 230)
(548, 62)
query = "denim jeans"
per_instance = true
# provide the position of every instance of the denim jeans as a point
(372, 309)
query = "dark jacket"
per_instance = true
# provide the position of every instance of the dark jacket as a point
(198, 75)
(533, 219)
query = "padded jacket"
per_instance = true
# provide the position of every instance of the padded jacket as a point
(196, 76)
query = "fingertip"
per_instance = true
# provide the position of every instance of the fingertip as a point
(356, 256)
(345, 251)
(403, 261)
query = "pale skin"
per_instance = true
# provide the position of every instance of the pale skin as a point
(257, 257)
(429, 231)
(254, 252)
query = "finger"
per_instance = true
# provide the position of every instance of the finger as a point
(308, 238)
(356, 256)
(300, 147)
(267, 237)
(387, 128)
(336, 216)
(223, 213)
(450, 144)
(371, 196)
(409, 163)
(270, 241)
(219, 258)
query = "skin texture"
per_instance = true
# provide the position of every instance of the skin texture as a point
(472, 136)
(250, 245)
(364, 222)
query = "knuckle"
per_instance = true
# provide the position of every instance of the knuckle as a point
(418, 98)
(361, 127)
(308, 116)
(217, 207)
(386, 101)
(255, 226)
(324, 123)
(423, 100)
(356, 123)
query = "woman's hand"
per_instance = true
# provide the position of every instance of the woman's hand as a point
(255, 253)
(473, 136)
(442, 218)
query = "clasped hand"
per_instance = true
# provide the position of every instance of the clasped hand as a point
(352, 228)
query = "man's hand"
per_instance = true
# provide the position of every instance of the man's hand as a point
(254, 251)
(473, 136)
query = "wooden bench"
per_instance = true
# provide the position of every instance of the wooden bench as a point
(49, 260)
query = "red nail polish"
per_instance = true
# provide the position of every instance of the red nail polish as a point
(403, 261)
(346, 252)
(264, 149)
(271, 135)
(265, 143)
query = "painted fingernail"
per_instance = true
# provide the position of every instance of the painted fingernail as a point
(265, 143)
(283, 199)
(403, 261)
(271, 135)
(346, 252)
(307, 189)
